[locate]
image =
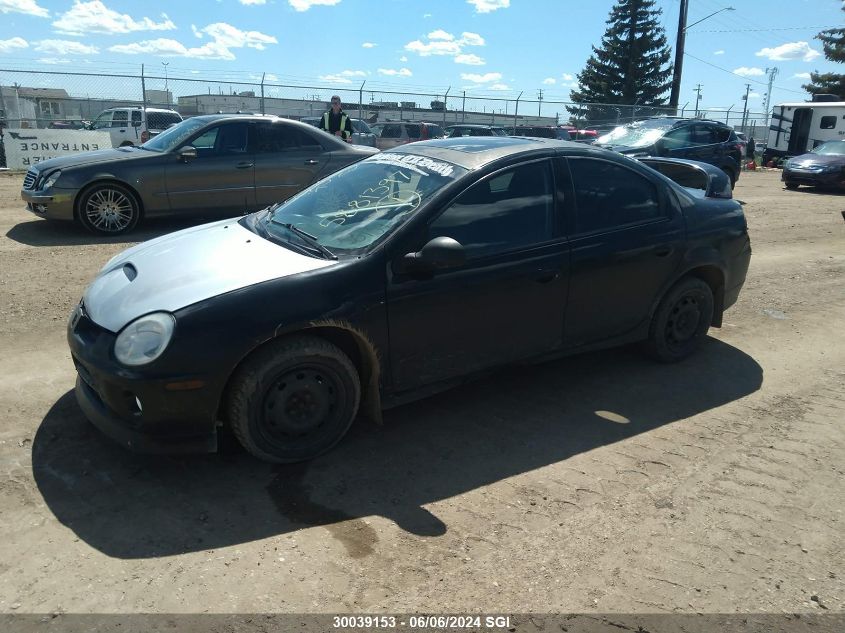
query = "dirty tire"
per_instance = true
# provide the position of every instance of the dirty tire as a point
(108, 209)
(293, 399)
(681, 321)
(791, 185)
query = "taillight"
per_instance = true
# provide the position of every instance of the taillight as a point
(145, 136)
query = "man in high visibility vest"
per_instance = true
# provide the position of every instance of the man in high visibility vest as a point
(335, 121)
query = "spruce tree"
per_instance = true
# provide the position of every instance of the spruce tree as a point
(630, 68)
(833, 42)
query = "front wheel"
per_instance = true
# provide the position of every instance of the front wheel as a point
(109, 209)
(791, 185)
(293, 399)
(681, 321)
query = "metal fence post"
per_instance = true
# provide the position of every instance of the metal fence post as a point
(263, 75)
(361, 99)
(516, 111)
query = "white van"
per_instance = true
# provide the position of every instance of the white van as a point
(797, 128)
(134, 125)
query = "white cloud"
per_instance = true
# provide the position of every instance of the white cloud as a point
(481, 79)
(486, 6)
(368, 45)
(719, 52)
(64, 47)
(426, 15)
(791, 50)
(749, 72)
(304, 5)
(27, 7)
(440, 34)
(499, 87)
(441, 42)
(403, 58)
(248, 2)
(471, 39)
(85, 18)
(15, 42)
(753, 95)
(196, 31)
(402, 72)
(550, 81)
(225, 37)
(801, 76)
(53, 61)
(343, 77)
(469, 59)
(568, 77)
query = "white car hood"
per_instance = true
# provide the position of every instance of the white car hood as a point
(180, 269)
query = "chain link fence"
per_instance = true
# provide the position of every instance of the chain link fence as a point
(69, 101)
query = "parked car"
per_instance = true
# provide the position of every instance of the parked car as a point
(361, 135)
(394, 133)
(696, 139)
(822, 167)
(541, 131)
(71, 124)
(407, 272)
(474, 129)
(208, 165)
(134, 125)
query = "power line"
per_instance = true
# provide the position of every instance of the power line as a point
(743, 77)
(786, 28)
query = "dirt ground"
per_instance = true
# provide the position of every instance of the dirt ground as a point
(601, 483)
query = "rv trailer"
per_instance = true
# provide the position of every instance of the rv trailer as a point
(797, 128)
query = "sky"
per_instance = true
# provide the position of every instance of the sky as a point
(483, 48)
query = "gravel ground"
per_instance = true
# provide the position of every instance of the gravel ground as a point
(601, 483)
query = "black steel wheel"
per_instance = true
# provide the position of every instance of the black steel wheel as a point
(791, 185)
(108, 209)
(293, 399)
(681, 321)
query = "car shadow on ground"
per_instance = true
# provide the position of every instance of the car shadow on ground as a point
(46, 233)
(524, 418)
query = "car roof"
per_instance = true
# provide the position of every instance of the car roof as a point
(475, 151)
(473, 125)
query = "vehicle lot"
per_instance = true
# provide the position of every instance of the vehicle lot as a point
(602, 482)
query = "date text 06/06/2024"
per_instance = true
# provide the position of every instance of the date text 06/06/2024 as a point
(421, 621)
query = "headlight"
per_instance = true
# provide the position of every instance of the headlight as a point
(145, 339)
(51, 180)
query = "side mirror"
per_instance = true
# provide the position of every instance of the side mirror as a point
(187, 154)
(439, 253)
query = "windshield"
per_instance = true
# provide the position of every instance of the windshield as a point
(360, 127)
(834, 148)
(174, 137)
(355, 208)
(637, 134)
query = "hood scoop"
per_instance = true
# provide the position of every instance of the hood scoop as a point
(130, 271)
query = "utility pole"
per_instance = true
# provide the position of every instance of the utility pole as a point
(772, 72)
(167, 96)
(464, 107)
(745, 106)
(679, 55)
(697, 91)
(539, 102)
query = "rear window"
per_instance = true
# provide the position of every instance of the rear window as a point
(828, 122)
(435, 130)
(413, 131)
(162, 120)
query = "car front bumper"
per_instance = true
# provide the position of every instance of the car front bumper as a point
(144, 411)
(52, 204)
(814, 178)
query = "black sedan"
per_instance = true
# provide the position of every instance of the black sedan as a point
(405, 273)
(210, 165)
(824, 166)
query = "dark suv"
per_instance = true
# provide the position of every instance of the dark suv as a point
(694, 139)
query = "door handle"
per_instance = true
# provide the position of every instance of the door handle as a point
(311, 161)
(663, 251)
(244, 165)
(546, 276)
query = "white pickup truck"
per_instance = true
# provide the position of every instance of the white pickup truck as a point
(134, 125)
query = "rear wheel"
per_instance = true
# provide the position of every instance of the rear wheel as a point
(109, 209)
(293, 399)
(681, 321)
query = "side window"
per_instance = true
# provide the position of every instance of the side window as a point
(102, 121)
(608, 196)
(120, 118)
(392, 131)
(509, 211)
(721, 134)
(231, 139)
(205, 142)
(136, 117)
(702, 135)
(413, 131)
(676, 139)
(828, 122)
(270, 138)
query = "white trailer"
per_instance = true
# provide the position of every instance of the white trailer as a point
(797, 128)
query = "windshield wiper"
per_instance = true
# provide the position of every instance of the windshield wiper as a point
(311, 239)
